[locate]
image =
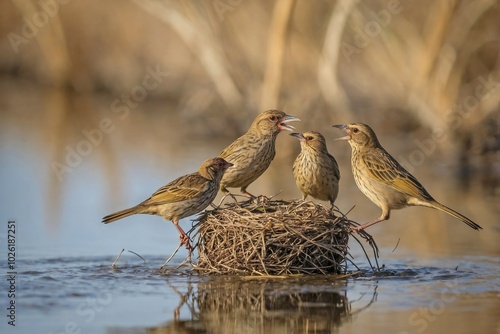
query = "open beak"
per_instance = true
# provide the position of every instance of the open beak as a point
(345, 128)
(299, 136)
(286, 119)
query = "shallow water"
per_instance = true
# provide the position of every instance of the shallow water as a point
(438, 275)
(68, 294)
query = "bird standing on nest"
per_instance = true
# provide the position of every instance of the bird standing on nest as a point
(253, 152)
(182, 197)
(383, 180)
(315, 170)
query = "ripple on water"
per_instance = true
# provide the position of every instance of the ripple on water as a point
(30, 272)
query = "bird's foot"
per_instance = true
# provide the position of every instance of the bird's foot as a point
(189, 248)
(364, 226)
(186, 241)
(334, 210)
(261, 199)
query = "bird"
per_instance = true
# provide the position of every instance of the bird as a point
(253, 152)
(383, 180)
(316, 171)
(183, 197)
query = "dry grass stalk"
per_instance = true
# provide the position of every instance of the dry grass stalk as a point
(273, 237)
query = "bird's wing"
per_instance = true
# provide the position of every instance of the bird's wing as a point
(384, 168)
(235, 150)
(181, 189)
(334, 166)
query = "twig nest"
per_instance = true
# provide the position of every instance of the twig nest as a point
(272, 237)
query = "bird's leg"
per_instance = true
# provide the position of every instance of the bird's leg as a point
(185, 240)
(183, 237)
(246, 193)
(362, 227)
(385, 215)
(232, 196)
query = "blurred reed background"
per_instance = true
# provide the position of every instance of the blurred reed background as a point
(406, 63)
(426, 69)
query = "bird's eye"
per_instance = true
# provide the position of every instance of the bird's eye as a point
(355, 130)
(310, 138)
(273, 118)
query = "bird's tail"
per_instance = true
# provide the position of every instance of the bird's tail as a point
(455, 214)
(121, 214)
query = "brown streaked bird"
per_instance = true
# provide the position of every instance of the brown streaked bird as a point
(182, 197)
(315, 170)
(383, 180)
(253, 152)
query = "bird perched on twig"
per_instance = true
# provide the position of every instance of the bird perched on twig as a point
(182, 197)
(253, 152)
(315, 170)
(383, 180)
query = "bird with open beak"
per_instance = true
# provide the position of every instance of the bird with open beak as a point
(383, 180)
(253, 152)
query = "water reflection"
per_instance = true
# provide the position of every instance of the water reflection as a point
(235, 305)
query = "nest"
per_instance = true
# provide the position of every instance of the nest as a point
(274, 237)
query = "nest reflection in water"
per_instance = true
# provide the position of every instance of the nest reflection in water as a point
(307, 304)
(270, 306)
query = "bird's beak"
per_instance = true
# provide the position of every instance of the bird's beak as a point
(286, 119)
(299, 136)
(227, 165)
(345, 128)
